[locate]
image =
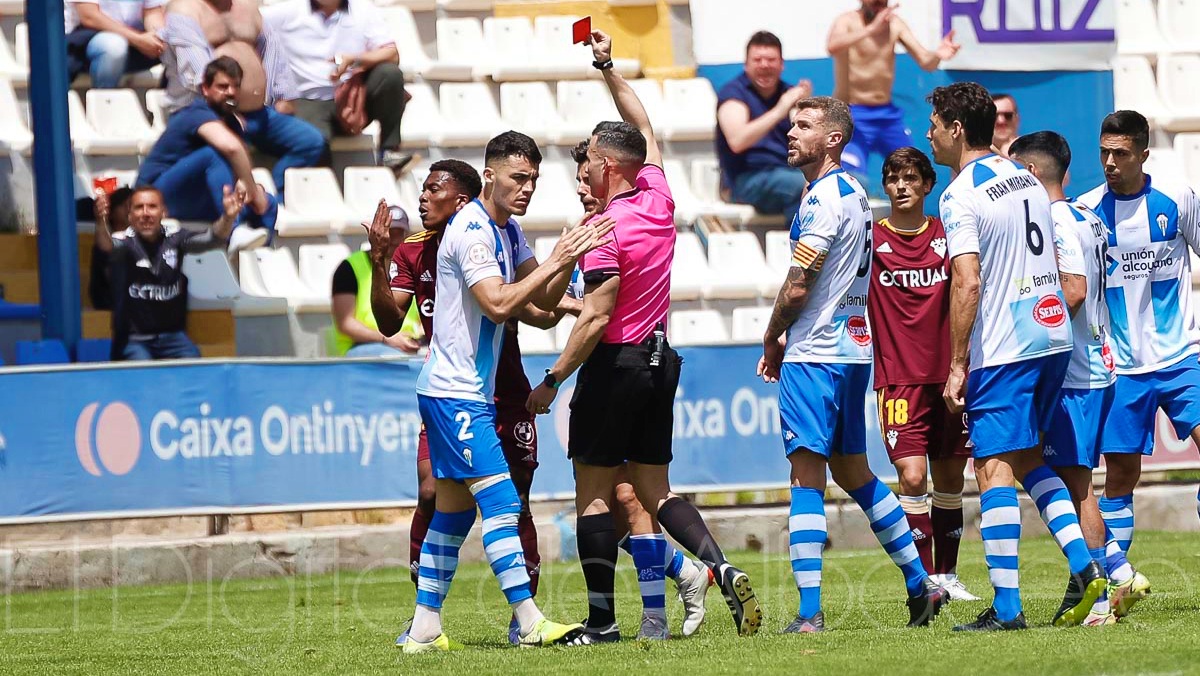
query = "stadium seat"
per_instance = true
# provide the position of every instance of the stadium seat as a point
(469, 114)
(367, 140)
(581, 104)
(750, 323)
(21, 44)
(365, 186)
(118, 114)
(213, 286)
(1134, 88)
(512, 49)
(689, 206)
(14, 131)
(156, 105)
(314, 193)
(413, 59)
(650, 93)
(559, 57)
(706, 184)
(51, 351)
(459, 41)
(91, 142)
(689, 272)
(1164, 162)
(318, 263)
(691, 107)
(736, 259)
(555, 203)
(1178, 20)
(778, 254)
(543, 246)
(1187, 147)
(1137, 29)
(92, 350)
(410, 186)
(412, 5)
(272, 272)
(291, 223)
(1178, 75)
(530, 107)
(697, 327)
(421, 123)
(534, 340)
(562, 332)
(466, 5)
(11, 67)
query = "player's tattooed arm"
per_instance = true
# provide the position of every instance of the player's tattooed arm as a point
(792, 298)
(1075, 289)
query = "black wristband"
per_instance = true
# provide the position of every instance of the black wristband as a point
(550, 381)
(602, 65)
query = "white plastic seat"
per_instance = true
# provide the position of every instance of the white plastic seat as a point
(750, 323)
(14, 132)
(413, 58)
(738, 267)
(512, 49)
(272, 272)
(314, 192)
(421, 124)
(689, 271)
(367, 140)
(289, 223)
(318, 263)
(1178, 75)
(11, 67)
(469, 114)
(543, 246)
(1164, 162)
(650, 93)
(1178, 21)
(560, 58)
(21, 45)
(412, 5)
(779, 255)
(458, 44)
(90, 142)
(562, 332)
(466, 5)
(688, 207)
(1137, 29)
(1134, 88)
(156, 105)
(697, 327)
(534, 340)
(581, 105)
(706, 184)
(530, 107)
(691, 109)
(212, 286)
(1187, 147)
(118, 114)
(554, 204)
(365, 186)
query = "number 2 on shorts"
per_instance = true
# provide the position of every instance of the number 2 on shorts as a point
(464, 434)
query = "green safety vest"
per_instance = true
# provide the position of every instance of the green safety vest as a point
(340, 343)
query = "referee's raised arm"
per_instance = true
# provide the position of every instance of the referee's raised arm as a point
(628, 104)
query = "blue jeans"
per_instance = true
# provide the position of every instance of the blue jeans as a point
(770, 191)
(110, 57)
(186, 202)
(295, 142)
(174, 345)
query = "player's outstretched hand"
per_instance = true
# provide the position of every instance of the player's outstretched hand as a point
(377, 230)
(772, 360)
(601, 44)
(948, 48)
(956, 390)
(540, 399)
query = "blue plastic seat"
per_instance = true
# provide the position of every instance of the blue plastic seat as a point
(93, 350)
(42, 352)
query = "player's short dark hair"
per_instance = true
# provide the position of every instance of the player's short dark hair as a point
(1051, 150)
(147, 188)
(625, 140)
(463, 174)
(579, 152)
(1128, 123)
(119, 197)
(836, 114)
(906, 158)
(764, 39)
(969, 104)
(222, 64)
(511, 143)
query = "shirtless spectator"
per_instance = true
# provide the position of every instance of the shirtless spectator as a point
(198, 31)
(752, 118)
(1008, 123)
(863, 46)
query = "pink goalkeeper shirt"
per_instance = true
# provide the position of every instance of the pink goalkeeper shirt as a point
(640, 252)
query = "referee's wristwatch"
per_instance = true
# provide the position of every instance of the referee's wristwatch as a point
(550, 381)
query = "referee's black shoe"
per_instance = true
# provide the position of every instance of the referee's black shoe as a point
(988, 621)
(743, 604)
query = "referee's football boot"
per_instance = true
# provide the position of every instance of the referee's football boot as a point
(739, 595)
(1083, 588)
(807, 625)
(987, 621)
(925, 606)
(596, 635)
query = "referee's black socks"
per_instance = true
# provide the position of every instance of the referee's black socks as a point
(597, 542)
(683, 522)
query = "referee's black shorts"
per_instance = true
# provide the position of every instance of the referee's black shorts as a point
(623, 409)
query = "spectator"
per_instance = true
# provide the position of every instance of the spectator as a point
(198, 31)
(100, 34)
(862, 43)
(329, 43)
(111, 215)
(149, 288)
(355, 331)
(201, 151)
(752, 125)
(1008, 123)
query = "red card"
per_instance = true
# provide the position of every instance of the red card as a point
(581, 30)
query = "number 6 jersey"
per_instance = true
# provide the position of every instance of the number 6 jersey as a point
(998, 210)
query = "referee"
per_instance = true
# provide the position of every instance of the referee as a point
(622, 410)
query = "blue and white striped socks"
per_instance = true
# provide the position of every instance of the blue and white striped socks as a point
(439, 560)
(1100, 607)
(501, 509)
(1116, 564)
(1117, 513)
(807, 531)
(1053, 501)
(648, 558)
(1000, 526)
(892, 530)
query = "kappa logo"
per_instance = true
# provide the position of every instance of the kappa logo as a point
(813, 201)
(892, 437)
(789, 435)
(1049, 451)
(426, 276)
(474, 226)
(114, 437)
(939, 246)
(1162, 224)
(886, 247)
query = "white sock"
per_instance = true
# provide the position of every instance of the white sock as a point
(426, 624)
(528, 615)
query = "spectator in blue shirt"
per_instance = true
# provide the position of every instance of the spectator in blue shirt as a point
(201, 151)
(753, 118)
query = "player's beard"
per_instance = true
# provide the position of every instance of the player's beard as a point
(801, 159)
